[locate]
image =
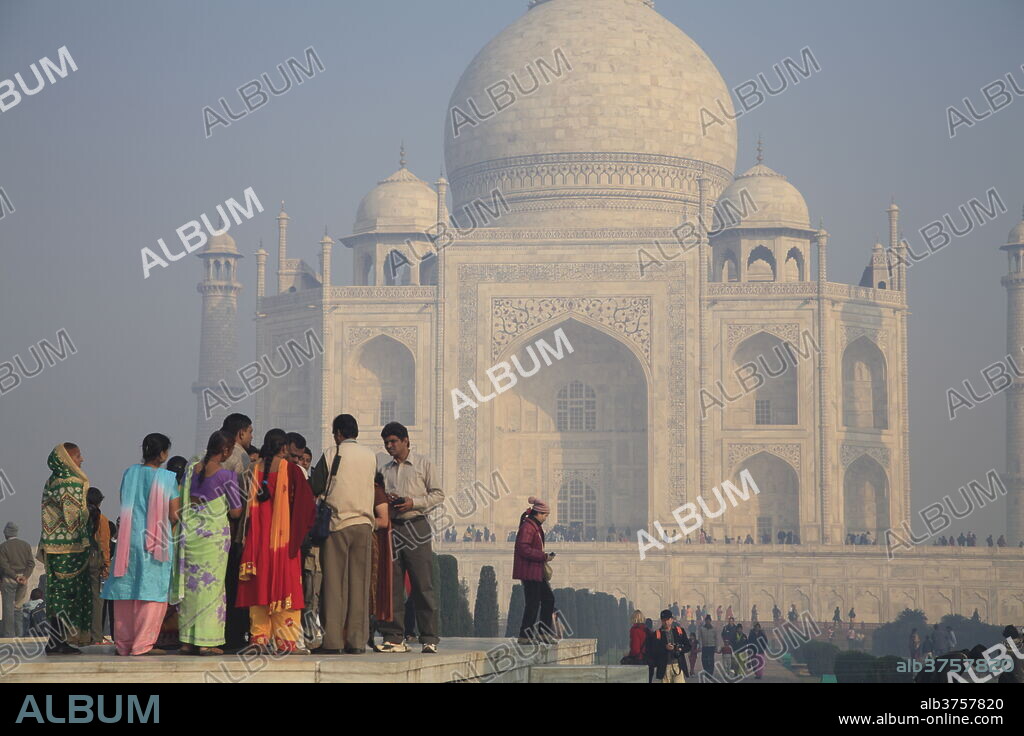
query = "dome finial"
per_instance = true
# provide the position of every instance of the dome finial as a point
(401, 155)
(282, 205)
(760, 149)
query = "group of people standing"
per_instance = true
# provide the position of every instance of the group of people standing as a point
(248, 546)
(671, 654)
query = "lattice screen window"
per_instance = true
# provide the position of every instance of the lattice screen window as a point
(577, 408)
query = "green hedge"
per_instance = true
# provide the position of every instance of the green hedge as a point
(819, 656)
(862, 667)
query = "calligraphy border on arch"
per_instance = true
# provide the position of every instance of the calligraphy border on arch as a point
(852, 451)
(471, 275)
(408, 336)
(627, 316)
(790, 452)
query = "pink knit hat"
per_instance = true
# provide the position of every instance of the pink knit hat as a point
(538, 505)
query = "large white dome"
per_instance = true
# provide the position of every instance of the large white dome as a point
(617, 141)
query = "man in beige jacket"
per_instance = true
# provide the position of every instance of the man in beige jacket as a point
(344, 480)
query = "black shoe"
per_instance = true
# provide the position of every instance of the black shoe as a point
(325, 650)
(63, 649)
(355, 651)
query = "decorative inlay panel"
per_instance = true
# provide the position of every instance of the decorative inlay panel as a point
(788, 452)
(788, 332)
(405, 335)
(629, 316)
(849, 453)
(849, 333)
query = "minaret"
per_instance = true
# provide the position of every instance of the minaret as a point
(282, 247)
(830, 532)
(1014, 283)
(325, 261)
(261, 272)
(218, 383)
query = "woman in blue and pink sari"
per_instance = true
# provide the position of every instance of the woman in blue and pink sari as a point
(141, 577)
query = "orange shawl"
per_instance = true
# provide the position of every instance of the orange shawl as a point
(271, 569)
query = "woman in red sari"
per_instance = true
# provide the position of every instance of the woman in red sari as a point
(280, 515)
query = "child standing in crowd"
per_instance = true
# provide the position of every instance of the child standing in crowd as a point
(99, 560)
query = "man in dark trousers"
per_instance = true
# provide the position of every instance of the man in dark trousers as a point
(411, 485)
(668, 646)
(236, 625)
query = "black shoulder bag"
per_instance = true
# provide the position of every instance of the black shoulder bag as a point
(322, 525)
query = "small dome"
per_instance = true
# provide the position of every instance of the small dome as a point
(223, 243)
(402, 203)
(1016, 235)
(761, 197)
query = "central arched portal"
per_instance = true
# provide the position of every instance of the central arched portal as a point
(575, 434)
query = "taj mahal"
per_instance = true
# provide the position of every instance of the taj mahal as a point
(575, 149)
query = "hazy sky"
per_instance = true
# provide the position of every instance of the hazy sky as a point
(113, 157)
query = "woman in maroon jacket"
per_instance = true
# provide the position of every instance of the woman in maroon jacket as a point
(528, 567)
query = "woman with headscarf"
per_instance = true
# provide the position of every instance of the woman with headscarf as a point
(140, 582)
(65, 547)
(281, 513)
(529, 566)
(210, 496)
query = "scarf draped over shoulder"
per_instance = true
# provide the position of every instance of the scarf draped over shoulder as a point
(65, 510)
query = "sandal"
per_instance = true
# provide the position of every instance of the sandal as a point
(210, 652)
(187, 649)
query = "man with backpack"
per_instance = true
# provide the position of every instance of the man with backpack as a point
(667, 647)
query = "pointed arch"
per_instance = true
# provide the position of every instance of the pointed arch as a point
(397, 269)
(584, 417)
(728, 267)
(775, 401)
(865, 397)
(761, 265)
(794, 267)
(775, 508)
(866, 498)
(381, 383)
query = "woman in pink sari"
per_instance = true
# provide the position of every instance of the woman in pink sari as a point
(141, 577)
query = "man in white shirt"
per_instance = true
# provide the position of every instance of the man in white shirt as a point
(411, 485)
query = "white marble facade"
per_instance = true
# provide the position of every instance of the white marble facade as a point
(596, 168)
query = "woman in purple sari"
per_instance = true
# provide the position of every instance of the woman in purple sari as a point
(210, 495)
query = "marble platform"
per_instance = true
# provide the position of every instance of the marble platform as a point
(459, 660)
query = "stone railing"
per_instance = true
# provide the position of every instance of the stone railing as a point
(807, 289)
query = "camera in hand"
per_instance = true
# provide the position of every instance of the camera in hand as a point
(397, 500)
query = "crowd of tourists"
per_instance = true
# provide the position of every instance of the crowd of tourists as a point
(970, 539)
(671, 653)
(242, 547)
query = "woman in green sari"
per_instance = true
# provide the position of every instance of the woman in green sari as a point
(210, 495)
(64, 547)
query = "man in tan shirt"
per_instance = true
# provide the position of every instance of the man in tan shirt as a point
(411, 484)
(344, 479)
(16, 565)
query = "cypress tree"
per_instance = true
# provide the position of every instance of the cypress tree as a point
(516, 606)
(464, 619)
(485, 611)
(448, 571)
